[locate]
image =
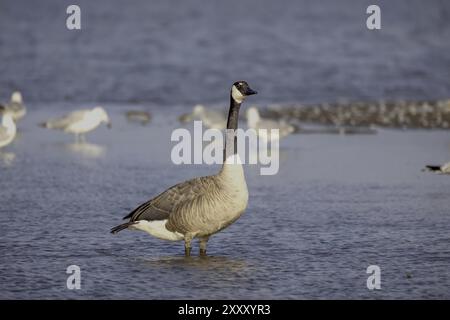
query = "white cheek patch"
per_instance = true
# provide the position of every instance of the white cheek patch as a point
(237, 95)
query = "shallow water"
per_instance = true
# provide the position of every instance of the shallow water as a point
(337, 205)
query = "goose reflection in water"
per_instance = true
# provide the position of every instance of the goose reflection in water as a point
(216, 263)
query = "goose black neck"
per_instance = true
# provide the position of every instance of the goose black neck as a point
(233, 114)
(232, 125)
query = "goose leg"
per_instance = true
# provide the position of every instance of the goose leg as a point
(187, 245)
(203, 243)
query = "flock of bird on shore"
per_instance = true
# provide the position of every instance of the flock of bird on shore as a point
(399, 114)
(80, 122)
(203, 206)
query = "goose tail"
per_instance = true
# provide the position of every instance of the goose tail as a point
(121, 227)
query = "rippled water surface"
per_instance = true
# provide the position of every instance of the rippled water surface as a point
(337, 205)
(170, 52)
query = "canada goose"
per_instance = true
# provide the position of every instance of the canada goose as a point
(79, 122)
(7, 127)
(142, 117)
(444, 169)
(254, 121)
(16, 106)
(211, 118)
(201, 206)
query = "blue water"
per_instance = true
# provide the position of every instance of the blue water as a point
(337, 205)
(169, 52)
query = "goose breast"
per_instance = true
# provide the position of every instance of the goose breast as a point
(212, 211)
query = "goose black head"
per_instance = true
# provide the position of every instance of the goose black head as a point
(240, 90)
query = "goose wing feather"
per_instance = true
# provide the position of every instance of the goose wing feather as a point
(163, 205)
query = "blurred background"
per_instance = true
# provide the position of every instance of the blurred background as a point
(339, 203)
(171, 52)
